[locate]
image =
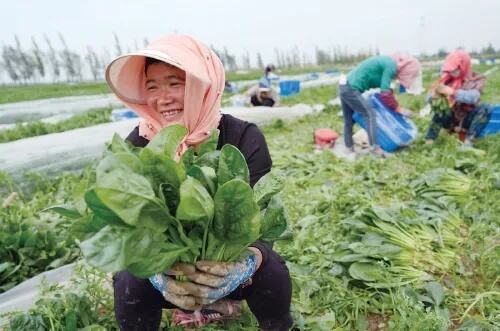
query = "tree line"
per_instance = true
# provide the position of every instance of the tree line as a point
(41, 61)
(34, 64)
(486, 52)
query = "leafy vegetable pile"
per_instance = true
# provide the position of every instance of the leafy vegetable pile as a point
(445, 185)
(406, 243)
(440, 106)
(147, 211)
(402, 244)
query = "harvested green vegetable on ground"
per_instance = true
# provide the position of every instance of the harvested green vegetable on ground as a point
(401, 244)
(444, 185)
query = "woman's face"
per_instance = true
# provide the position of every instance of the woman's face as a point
(165, 87)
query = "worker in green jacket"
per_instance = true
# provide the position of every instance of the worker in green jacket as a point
(376, 72)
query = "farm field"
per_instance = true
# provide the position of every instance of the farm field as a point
(410, 242)
(16, 93)
(311, 96)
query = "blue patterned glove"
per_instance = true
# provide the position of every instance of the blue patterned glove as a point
(210, 281)
(181, 294)
(222, 278)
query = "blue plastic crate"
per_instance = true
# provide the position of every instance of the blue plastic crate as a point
(392, 130)
(313, 76)
(289, 87)
(122, 114)
(493, 125)
(332, 72)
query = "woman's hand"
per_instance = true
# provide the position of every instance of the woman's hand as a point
(209, 281)
(405, 112)
(182, 294)
(223, 278)
(445, 90)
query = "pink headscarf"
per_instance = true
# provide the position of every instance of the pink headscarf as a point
(408, 69)
(204, 86)
(458, 59)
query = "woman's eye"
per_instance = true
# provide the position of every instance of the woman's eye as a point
(151, 88)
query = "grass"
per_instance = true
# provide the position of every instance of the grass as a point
(10, 94)
(256, 74)
(320, 94)
(491, 92)
(38, 128)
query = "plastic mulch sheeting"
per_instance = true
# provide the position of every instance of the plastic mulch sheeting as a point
(38, 109)
(24, 295)
(76, 148)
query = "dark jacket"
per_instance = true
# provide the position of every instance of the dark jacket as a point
(244, 135)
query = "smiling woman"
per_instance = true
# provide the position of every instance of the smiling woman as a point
(179, 80)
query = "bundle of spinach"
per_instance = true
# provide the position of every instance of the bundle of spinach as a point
(444, 185)
(440, 106)
(147, 210)
(400, 244)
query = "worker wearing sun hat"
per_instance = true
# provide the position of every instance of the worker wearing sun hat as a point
(179, 80)
(263, 94)
(376, 72)
(461, 88)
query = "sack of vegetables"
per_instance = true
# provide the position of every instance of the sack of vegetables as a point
(148, 210)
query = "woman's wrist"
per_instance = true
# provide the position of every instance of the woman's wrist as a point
(258, 257)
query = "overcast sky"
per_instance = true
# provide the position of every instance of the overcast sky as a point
(259, 25)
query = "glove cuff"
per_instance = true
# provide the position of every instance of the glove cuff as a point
(158, 282)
